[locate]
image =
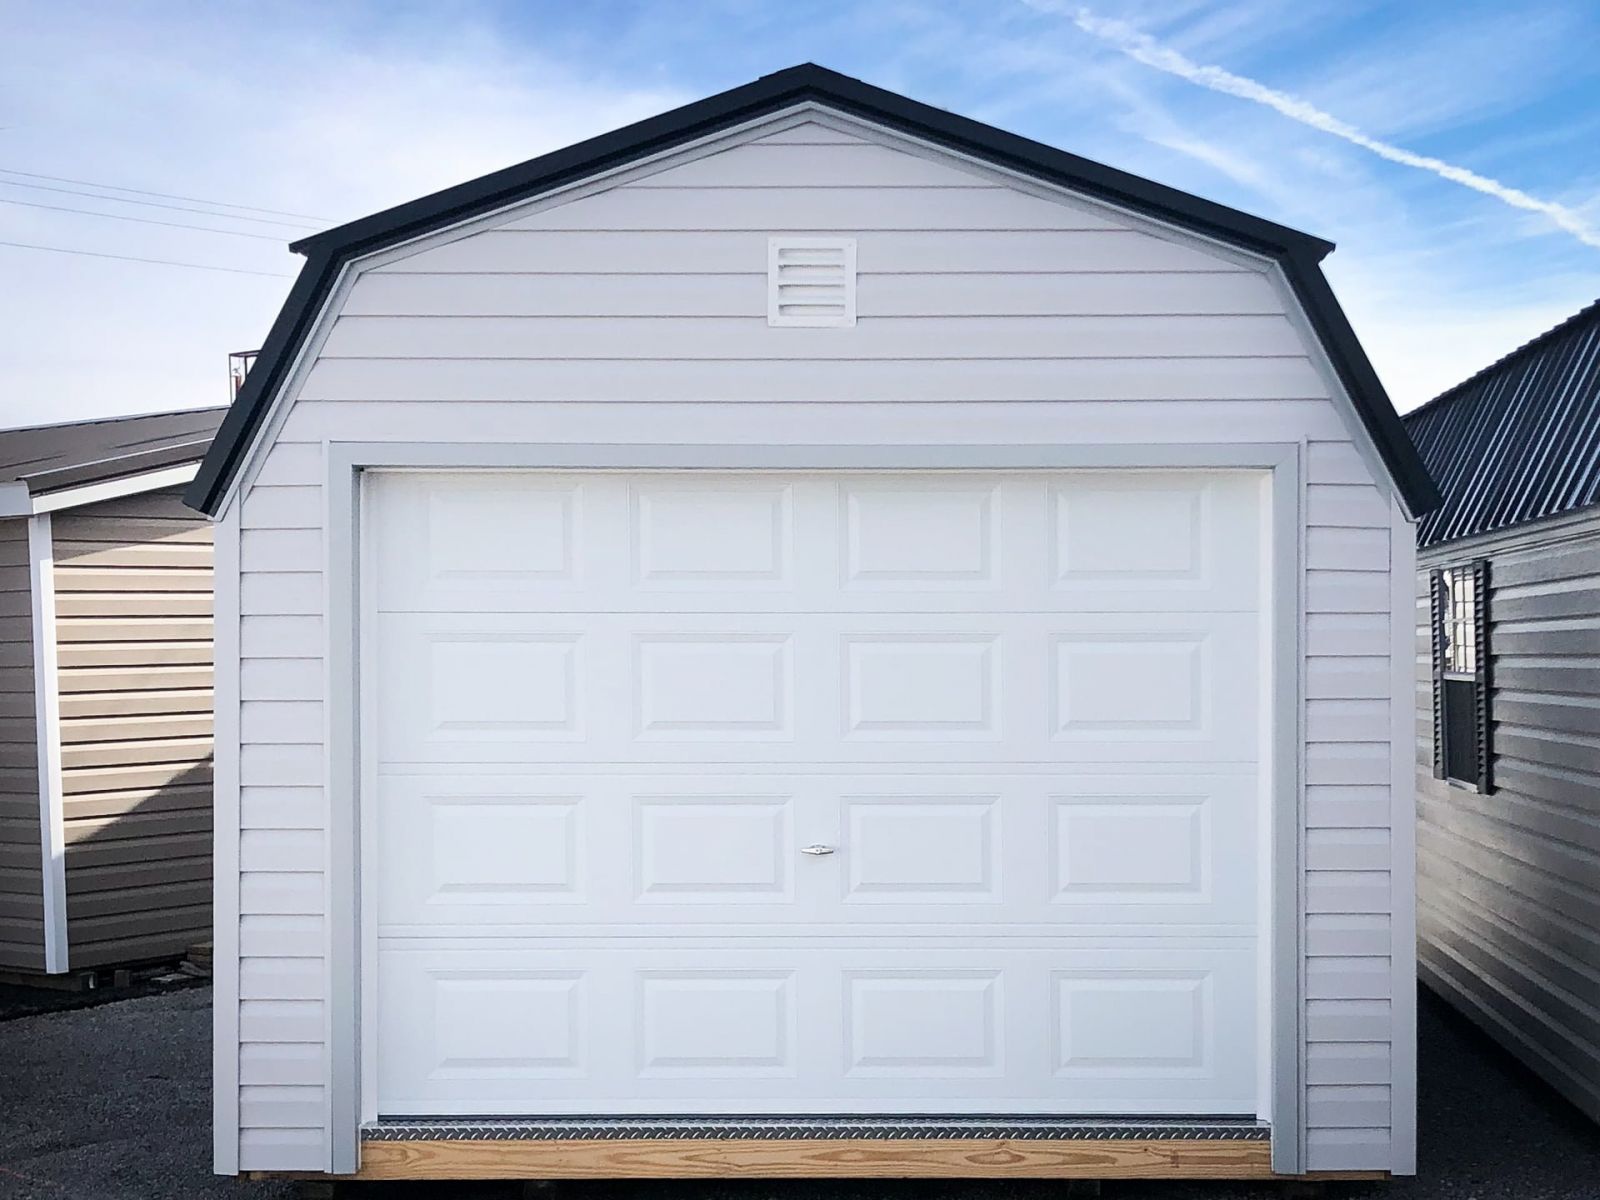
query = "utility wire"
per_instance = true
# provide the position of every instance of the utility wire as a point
(165, 262)
(89, 212)
(43, 187)
(111, 187)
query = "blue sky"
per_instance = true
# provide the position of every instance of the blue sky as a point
(334, 110)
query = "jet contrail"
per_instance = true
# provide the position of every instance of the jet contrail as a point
(1141, 47)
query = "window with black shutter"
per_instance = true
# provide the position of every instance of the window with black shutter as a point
(1461, 751)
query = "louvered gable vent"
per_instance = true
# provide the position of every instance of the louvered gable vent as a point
(811, 281)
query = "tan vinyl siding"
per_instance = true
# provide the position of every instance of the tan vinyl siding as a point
(133, 626)
(987, 316)
(1508, 891)
(21, 890)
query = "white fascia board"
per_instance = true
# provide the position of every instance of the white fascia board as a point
(17, 501)
(110, 489)
(47, 716)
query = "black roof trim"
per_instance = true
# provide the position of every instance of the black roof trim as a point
(1299, 253)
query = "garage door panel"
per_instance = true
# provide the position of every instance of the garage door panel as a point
(542, 1028)
(929, 848)
(721, 534)
(934, 542)
(1020, 853)
(477, 534)
(932, 535)
(501, 687)
(1188, 534)
(712, 849)
(708, 792)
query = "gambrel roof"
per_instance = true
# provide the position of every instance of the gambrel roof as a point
(1298, 254)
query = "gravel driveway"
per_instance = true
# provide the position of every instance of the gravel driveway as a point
(114, 1101)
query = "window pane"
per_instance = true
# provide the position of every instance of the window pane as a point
(1460, 622)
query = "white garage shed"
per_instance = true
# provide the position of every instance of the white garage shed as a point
(810, 635)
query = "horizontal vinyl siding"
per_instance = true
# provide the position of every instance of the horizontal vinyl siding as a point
(133, 588)
(985, 316)
(21, 885)
(1349, 855)
(282, 816)
(733, 295)
(1509, 883)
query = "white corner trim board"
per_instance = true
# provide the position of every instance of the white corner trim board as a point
(47, 715)
(225, 850)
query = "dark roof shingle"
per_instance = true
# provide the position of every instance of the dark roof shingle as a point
(48, 458)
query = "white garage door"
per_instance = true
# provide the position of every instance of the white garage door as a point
(755, 793)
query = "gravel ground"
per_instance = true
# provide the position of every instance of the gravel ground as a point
(114, 1101)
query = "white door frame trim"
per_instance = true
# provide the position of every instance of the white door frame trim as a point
(349, 900)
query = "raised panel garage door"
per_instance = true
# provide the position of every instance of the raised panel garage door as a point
(818, 793)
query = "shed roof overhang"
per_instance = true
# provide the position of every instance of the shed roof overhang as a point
(1298, 254)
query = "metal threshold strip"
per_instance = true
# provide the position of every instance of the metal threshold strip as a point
(1023, 1128)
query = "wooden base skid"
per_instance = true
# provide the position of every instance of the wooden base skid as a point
(819, 1158)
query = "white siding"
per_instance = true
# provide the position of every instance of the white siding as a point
(986, 314)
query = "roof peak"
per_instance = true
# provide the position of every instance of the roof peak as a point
(774, 93)
(1296, 254)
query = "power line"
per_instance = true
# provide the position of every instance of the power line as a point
(164, 262)
(89, 212)
(44, 187)
(111, 187)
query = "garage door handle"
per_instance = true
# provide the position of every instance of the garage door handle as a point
(816, 848)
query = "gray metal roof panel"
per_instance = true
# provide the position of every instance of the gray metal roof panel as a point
(47, 458)
(1519, 440)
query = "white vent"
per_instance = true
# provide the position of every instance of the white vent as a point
(811, 281)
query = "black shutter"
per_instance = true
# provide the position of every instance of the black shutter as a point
(1436, 622)
(1483, 680)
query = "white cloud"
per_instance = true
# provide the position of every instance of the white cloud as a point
(1147, 50)
(344, 109)
(296, 107)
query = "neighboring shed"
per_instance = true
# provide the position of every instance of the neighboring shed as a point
(105, 694)
(812, 618)
(1508, 834)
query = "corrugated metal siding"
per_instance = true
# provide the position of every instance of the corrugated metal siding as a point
(1509, 883)
(1518, 441)
(21, 892)
(133, 612)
